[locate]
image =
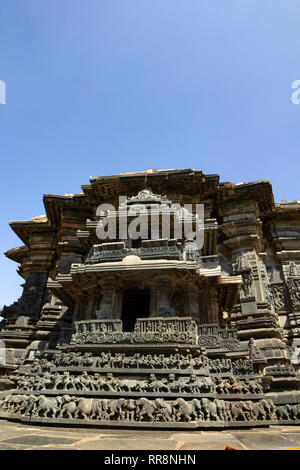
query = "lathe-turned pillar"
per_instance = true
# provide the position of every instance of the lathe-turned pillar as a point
(191, 300)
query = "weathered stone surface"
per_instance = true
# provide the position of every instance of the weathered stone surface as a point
(261, 441)
(156, 331)
(151, 439)
(37, 440)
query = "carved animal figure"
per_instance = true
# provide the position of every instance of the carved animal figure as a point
(69, 407)
(269, 408)
(85, 408)
(157, 385)
(29, 404)
(283, 412)
(78, 382)
(102, 409)
(118, 408)
(209, 409)
(147, 409)
(254, 386)
(4, 403)
(47, 406)
(99, 383)
(295, 411)
(165, 410)
(178, 385)
(221, 409)
(185, 409)
(208, 385)
(259, 410)
(130, 409)
(123, 386)
(140, 386)
(14, 402)
(235, 411)
(194, 384)
(117, 385)
(248, 409)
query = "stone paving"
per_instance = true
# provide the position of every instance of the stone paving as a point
(16, 436)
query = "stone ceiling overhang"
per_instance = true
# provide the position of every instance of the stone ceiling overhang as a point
(260, 191)
(228, 289)
(194, 182)
(17, 254)
(84, 278)
(24, 228)
(186, 185)
(54, 204)
(142, 265)
(289, 210)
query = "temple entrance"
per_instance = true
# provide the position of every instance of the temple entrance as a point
(136, 304)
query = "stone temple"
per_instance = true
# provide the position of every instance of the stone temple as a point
(156, 330)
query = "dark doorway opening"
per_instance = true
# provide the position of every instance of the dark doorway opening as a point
(136, 304)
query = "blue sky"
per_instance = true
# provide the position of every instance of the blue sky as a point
(99, 87)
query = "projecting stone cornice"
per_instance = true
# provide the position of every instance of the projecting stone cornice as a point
(259, 191)
(24, 228)
(84, 279)
(289, 211)
(134, 264)
(17, 254)
(56, 204)
(194, 182)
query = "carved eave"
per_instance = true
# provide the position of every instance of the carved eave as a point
(40, 240)
(284, 228)
(64, 290)
(260, 191)
(55, 204)
(21, 255)
(108, 188)
(228, 289)
(85, 278)
(149, 266)
(67, 214)
(24, 228)
(287, 208)
(18, 254)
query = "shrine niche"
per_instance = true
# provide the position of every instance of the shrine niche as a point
(149, 327)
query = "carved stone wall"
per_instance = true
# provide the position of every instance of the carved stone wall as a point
(238, 296)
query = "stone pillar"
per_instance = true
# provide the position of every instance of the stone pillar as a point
(163, 286)
(90, 306)
(80, 309)
(212, 312)
(153, 299)
(118, 302)
(191, 300)
(108, 289)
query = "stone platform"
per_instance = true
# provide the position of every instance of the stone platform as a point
(15, 436)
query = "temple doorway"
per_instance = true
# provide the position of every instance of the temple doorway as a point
(136, 304)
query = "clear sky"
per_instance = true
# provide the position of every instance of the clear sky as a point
(98, 87)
